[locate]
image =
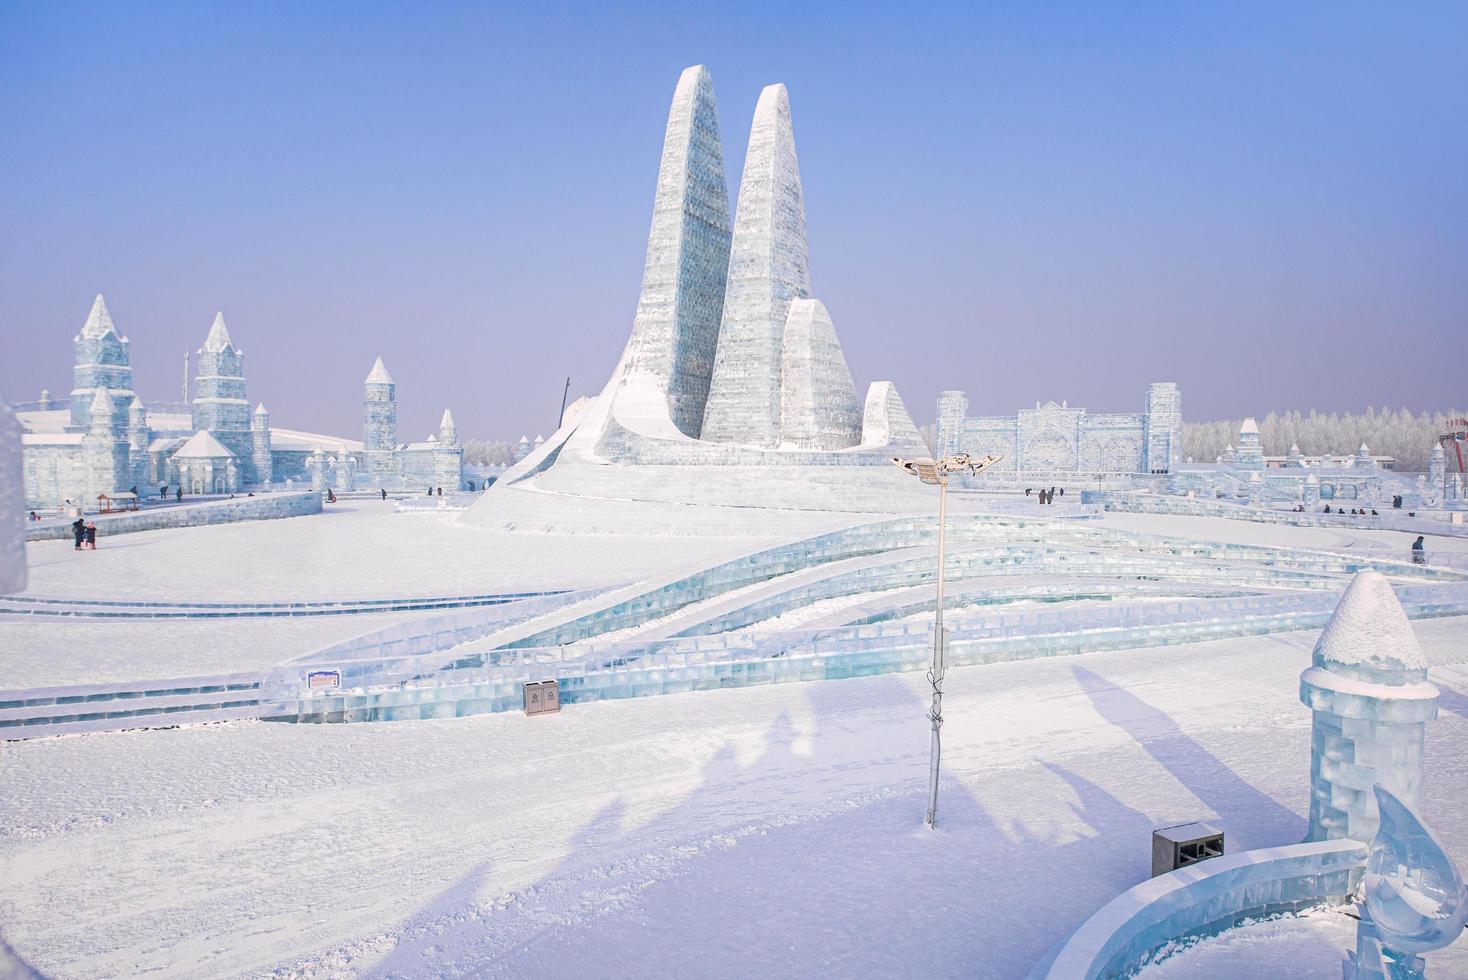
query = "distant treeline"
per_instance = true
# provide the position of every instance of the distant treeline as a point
(480, 452)
(1406, 437)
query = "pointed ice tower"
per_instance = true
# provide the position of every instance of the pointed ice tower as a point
(818, 406)
(448, 455)
(220, 407)
(101, 362)
(769, 266)
(260, 456)
(669, 358)
(379, 425)
(1367, 687)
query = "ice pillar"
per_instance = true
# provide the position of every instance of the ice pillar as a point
(1367, 687)
(768, 268)
(669, 358)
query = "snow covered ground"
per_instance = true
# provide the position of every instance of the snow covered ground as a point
(771, 831)
(360, 549)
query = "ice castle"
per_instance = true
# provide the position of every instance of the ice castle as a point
(105, 440)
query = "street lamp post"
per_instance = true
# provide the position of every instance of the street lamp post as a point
(937, 472)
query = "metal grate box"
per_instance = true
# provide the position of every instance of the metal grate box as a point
(1183, 844)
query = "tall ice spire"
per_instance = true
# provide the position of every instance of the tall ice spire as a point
(669, 358)
(768, 267)
(99, 320)
(218, 338)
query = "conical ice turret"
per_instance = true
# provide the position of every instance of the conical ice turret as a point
(448, 434)
(768, 267)
(379, 424)
(218, 339)
(99, 320)
(378, 375)
(1368, 690)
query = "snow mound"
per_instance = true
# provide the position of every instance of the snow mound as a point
(1369, 629)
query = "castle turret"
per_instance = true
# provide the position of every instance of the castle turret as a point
(952, 410)
(1295, 457)
(101, 362)
(1368, 690)
(522, 448)
(104, 449)
(138, 438)
(379, 425)
(1250, 455)
(44, 404)
(1163, 428)
(1363, 460)
(260, 459)
(220, 406)
(448, 455)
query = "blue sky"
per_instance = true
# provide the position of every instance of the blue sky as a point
(1263, 202)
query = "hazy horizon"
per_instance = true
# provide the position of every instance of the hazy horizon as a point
(1263, 205)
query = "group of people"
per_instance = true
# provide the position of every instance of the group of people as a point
(1355, 512)
(1046, 496)
(85, 534)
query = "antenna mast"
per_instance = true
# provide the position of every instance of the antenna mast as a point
(562, 417)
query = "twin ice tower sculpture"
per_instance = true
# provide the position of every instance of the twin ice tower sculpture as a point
(731, 360)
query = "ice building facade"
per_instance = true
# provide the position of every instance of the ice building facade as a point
(104, 439)
(1058, 440)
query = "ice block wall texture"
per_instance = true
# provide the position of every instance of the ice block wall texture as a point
(379, 423)
(769, 266)
(220, 406)
(12, 505)
(886, 422)
(669, 359)
(818, 405)
(102, 361)
(1367, 687)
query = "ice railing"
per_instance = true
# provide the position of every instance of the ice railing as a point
(872, 539)
(589, 671)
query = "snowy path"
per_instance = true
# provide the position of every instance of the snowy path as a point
(770, 831)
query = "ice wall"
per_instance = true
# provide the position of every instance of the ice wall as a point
(769, 266)
(818, 406)
(12, 505)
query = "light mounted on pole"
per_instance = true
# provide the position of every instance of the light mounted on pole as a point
(937, 471)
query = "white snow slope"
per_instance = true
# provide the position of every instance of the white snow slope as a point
(768, 832)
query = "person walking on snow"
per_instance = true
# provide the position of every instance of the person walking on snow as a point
(79, 531)
(91, 536)
(1419, 553)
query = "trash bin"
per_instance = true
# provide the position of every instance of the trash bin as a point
(1183, 844)
(542, 697)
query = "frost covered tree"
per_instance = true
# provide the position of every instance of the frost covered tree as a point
(1406, 437)
(479, 452)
